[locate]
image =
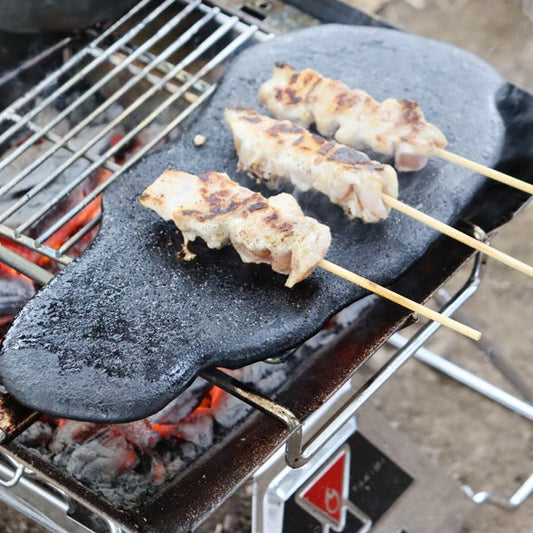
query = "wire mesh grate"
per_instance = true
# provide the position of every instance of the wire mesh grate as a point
(111, 101)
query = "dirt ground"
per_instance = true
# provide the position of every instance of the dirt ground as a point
(473, 440)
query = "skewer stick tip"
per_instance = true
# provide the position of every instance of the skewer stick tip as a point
(400, 300)
(485, 171)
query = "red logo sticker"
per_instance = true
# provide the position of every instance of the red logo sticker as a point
(326, 492)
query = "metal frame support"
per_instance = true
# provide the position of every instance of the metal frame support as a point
(516, 500)
(297, 453)
(492, 352)
(472, 381)
(18, 472)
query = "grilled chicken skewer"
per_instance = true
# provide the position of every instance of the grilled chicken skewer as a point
(273, 230)
(218, 210)
(274, 150)
(353, 117)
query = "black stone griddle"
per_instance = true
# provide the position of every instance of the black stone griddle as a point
(126, 327)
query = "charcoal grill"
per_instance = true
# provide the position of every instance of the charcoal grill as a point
(186, 83)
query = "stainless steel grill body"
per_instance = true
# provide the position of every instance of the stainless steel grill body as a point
(169, 82)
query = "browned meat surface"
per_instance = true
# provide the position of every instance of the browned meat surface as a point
(274, 150)
(218, 210)
(352, 116)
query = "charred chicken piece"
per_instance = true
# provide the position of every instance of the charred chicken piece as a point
(220, 211)
(274, 150)
(352, 116)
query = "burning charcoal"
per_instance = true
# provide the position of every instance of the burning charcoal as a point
(197, 428)
(184, 404)
(38, 434)
(83, 109)
(128, 487)
(15, 291)
(69, 431)
(174, 466)
(188, 401)
(272, 381)
(263, 376)
(140, 433)
(158, 471)
(252, 373)
(101, 459)
(230, 410)
(190, 451)
(149, 133)
(128, 462)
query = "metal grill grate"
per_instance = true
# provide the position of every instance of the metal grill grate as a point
(133, 84)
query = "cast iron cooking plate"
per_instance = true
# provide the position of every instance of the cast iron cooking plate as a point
(126, 327)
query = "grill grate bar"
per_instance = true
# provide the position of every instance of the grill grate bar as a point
(220, 32)
(55, 254)
(69, 145)
(88, 120)
(164, 66)
(85, 230)
(155, 64)
(72, 62)
(122, 70)
(85, 70)
(59, 142)
(35, 60)
(88, 93)
(219, 58)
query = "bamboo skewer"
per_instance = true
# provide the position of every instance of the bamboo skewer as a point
(154, 198)
(458, 235)
(400, 300)
(486, 171)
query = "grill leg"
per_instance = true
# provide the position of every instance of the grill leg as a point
(492, 352)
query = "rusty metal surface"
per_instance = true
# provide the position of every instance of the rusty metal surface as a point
(14, 418)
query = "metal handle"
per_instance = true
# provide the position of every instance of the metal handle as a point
(518, 498)
(17, 473)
